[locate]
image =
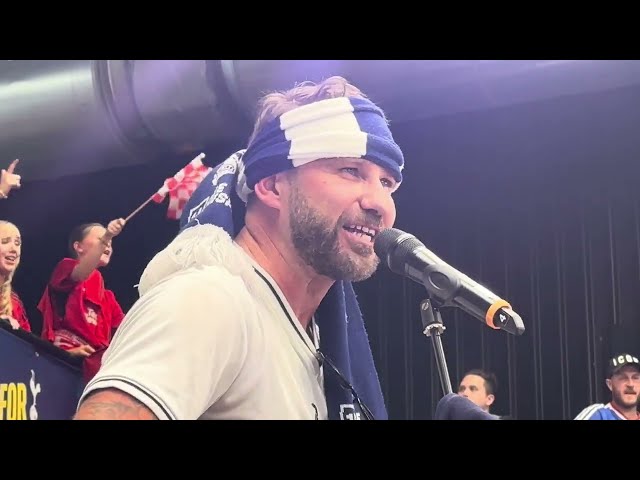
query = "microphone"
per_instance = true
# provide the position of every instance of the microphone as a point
(456, 407)
(406, 255)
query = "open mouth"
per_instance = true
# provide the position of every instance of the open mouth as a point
(11, 258)
(362, 232)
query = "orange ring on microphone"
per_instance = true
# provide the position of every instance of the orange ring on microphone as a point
(492, 311)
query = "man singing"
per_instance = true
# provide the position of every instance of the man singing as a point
(260, 320)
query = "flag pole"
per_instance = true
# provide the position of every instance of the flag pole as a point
(139, 208)
(180, 172)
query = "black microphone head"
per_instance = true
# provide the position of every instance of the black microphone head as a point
(393, 245)
(385, 240)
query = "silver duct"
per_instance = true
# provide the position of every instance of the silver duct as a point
(73, 117)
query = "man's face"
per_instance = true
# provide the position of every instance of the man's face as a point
(625, 386)
(336, 207)
(473, 387)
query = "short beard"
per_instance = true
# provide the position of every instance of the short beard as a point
(316, 242)
(619, 400)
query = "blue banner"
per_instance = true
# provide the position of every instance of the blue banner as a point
(34, 384)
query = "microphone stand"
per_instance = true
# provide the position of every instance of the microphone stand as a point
(433, 327)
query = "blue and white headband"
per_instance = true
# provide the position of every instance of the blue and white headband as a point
(338, 127)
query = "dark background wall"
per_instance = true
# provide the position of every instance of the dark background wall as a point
(539, 202)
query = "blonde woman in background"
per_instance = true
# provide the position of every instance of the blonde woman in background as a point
(11, 307)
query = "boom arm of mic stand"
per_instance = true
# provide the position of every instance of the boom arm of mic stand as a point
(433, 327)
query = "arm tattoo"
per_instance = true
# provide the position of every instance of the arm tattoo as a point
(112, 404)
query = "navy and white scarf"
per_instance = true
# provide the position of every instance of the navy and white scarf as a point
(338, 127)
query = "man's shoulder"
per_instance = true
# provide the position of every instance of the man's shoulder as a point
(205, 298)
(208, 279)
(592, 412)
(200, 254)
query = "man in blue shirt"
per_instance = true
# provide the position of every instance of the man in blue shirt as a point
(624, 383)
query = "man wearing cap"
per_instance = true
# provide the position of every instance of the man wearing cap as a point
(624, 382)
(254, 316)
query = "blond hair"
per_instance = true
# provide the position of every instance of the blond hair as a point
(6, 306)
(276, 103)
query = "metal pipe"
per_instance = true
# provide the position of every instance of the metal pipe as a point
(80, 116)
(60, 118)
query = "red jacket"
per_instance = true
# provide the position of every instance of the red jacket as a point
(79, 313)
